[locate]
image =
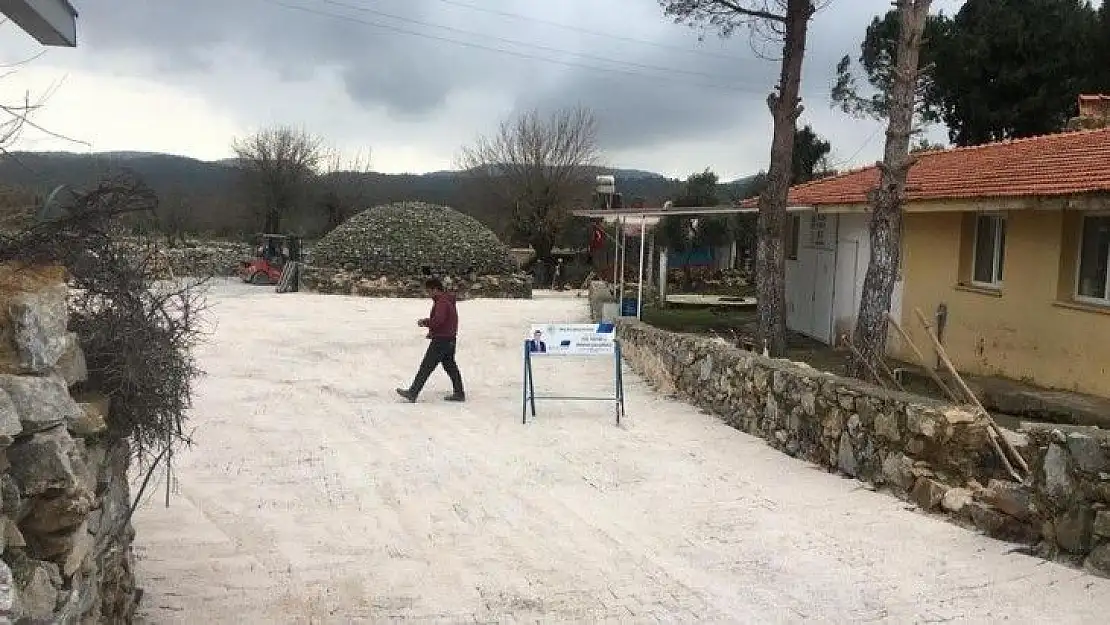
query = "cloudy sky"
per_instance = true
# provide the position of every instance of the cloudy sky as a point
(413, 80)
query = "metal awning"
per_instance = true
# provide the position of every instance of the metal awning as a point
(637, 213)
(642, 217)
(50, 22)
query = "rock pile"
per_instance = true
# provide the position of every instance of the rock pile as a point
(64, 523)
(935, 455)
(400, 239)
(388, 251)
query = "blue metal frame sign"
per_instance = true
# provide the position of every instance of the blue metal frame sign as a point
(577, 339)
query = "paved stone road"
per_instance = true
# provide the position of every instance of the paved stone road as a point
(311, 496)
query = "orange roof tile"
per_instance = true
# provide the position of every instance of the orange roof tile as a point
(1069, 163)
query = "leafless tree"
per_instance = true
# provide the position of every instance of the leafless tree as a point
(786, 21)
(344, 186)
(278, 166)
(886, 201)
(172, 216)
(537, 168)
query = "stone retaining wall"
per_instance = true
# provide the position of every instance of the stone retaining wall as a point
(928, 452)
(333, 281)
(199, 259)
(64, 524)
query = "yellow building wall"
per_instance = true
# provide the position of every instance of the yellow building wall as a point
(1025, 332)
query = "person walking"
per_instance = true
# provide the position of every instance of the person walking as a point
(443, 328)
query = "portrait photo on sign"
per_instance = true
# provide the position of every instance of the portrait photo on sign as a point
(573, 339)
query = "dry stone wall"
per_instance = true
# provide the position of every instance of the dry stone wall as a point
(65, 532)
(933, 454)
(197, 258)
(354, 282)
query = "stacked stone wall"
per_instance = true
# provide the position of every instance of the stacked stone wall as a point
(934, 454)
(65, 529)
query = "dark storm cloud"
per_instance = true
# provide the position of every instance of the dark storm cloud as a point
(655, 89)
(678, 104)
(379, 60)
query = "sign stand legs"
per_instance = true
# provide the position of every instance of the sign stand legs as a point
(529, 387)
(528, 391)
(618, 382)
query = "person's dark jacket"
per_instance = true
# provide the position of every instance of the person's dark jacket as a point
(443, 322)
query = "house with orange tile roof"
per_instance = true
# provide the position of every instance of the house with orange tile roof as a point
(1006, 245)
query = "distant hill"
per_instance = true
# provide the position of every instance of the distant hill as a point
(213, 201)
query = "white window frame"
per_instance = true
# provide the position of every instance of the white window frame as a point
(1086, 299)
(794, 241)
(997, 259)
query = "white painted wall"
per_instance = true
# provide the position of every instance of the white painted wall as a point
(825, 283)
(811, 278)
(853, 257)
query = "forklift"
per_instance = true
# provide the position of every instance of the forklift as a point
(272, 254)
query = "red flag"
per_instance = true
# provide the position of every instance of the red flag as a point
(597, 237)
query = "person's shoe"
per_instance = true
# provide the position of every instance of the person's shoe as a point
(408, 395)
(459, 397)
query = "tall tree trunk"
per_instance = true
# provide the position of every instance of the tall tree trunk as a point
(770, 262)
(886, 215)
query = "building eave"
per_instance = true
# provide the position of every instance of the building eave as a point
(49, 22)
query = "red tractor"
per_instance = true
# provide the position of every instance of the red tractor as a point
(273, 253)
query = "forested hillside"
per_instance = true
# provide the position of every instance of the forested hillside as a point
(206, 197)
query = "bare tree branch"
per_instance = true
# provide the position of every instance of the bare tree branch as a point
(278, 164)
(537, 169)
(344, 187)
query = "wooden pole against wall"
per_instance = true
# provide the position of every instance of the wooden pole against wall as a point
(998, 440)
(948, 392)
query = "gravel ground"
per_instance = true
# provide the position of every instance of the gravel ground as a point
(313, 496)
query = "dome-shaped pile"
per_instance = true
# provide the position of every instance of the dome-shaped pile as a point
(403, 238)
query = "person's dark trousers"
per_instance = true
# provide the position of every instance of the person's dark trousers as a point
(440, 352)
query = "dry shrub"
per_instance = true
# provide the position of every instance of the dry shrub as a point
(137, 332)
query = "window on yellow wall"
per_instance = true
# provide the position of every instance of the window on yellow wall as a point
(1093, 283)
(989, 251)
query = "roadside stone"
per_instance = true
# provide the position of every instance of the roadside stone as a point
(59, 512)
(1101, 525)
(915, 446)
(38, 321)
(9, 494)
(1087, 452)
(82, 544)
(809, 403)
(957, 416)
(886, 426)
(10, 426)
(7, 590)
(928, 493)
(955, 500)
(998, 525)
(40, 402)
(36, 594)
(1073, 529)
(898, 471)
(12, 536)
(1057, 474)
(920, 422)
(1009, 497)
(72, 365)
(846, 458)
(92, 420)
(1098, 561)
(56, 547)
(43, 463)
(846, 401)
(854, 424)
